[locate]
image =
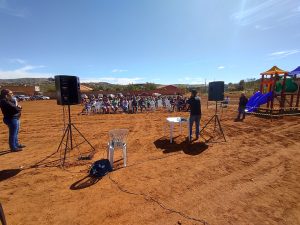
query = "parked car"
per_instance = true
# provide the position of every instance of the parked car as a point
(40, 97)
(22, 97)
(45, 97)
(34, 97)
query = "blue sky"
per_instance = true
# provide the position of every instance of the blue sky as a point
(137, 41)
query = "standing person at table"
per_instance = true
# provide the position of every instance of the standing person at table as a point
(195, 113)
(242, 106)
(11, 117)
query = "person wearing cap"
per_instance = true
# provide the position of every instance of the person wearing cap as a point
(195, 113)
(242, 106)
(11, 117)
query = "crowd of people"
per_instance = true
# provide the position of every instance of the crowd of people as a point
(131, 104)
(112, 104)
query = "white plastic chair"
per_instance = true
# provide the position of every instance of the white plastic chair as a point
(152, 105)
(98, 107)
(88, 109)
(130, 106)
(168, 105)
(159, 103)
(117, 138)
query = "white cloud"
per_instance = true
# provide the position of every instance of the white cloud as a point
(118, 71)
(254, 13)
(191, 80)
(5, 8)
(115, 80)
(261, 27)
(283, 54)
(297, 9)
(29, 67)
(155, 80)
(221, 67)
(268, 11)
(23, 72)
(17, 60)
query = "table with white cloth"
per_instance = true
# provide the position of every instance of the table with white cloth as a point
(173, 120)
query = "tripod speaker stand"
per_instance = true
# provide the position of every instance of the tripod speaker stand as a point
(68, 141)
(217, 124)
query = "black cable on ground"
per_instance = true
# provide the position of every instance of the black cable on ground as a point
(149, 198)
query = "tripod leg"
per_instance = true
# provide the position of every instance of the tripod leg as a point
(63, 137)
(71, 136)
(83, 136)
(221, 128)
(66, 147)
(2, 216)
(206, 124)
(205, 127)
(216, 116)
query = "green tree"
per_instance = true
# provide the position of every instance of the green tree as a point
(241, 85)
(150, 86)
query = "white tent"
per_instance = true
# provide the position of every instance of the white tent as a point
(156, 94)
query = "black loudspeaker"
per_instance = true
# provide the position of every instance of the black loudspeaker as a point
(67, 90)
(216, 91)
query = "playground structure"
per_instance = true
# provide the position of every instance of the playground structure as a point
(279, 90)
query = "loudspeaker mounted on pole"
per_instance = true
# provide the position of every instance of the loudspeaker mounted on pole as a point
(67, 90)
(216, 91)
(68, 93)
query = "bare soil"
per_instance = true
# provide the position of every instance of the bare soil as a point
(253, 178)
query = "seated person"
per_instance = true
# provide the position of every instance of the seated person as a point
(125, 105)
(98, 106)
(180, 104)
(142, 104)
(114, 105)
(130, 110)
(225, 102)
(86, 108)
(152, 104)
(106, 105)
(134, 105)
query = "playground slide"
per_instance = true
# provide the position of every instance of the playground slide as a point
(257, 100)
(254, 98)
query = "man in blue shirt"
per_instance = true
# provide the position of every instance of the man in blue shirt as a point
(195, 113)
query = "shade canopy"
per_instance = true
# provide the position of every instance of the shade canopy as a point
(156, 94)
(274, 70)
(295, 71)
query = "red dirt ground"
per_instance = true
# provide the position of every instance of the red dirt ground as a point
(253, 178)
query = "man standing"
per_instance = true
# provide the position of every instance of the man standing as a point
(195, 114)
(242, 106)
(11, 117)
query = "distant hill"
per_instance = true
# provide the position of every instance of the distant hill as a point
(27, 81)
(48, 85)
(39, 81)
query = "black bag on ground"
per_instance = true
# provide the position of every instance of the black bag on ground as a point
(100, 168)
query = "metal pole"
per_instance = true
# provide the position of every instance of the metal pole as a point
(215, 115)
(71, 141)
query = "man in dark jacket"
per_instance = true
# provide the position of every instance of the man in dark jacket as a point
(242, 106)
(11, 117)
(195, 114)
